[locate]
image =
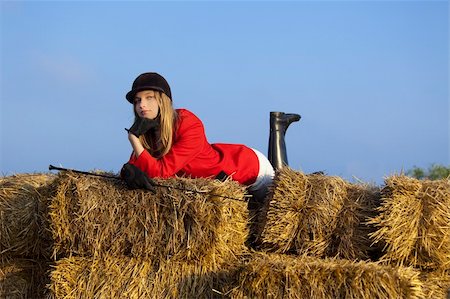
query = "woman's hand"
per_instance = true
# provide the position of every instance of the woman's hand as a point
(142, 125)
(136, 178)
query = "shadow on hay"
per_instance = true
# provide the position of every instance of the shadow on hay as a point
(25, 278)
(217, 284)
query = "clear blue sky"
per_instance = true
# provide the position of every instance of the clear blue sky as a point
(369, 78)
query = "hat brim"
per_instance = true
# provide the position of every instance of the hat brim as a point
(132, 93)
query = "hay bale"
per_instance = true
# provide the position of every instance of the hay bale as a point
(83, 277)
(317, 215)
(413, 224)
(283, 276)
(176, 279)
(124, 277)
(22, 278)
(350, 238)
(23, 216)
(436, 284)
(302, 212)
(98, 216)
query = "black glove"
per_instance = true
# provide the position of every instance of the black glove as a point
(136, 178)
(142, 125)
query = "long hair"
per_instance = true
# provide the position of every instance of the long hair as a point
(160, 143)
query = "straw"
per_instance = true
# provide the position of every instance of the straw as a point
(23, 216)
(96, 216)
(350, 238)
(282, 276)
(24, 278)
(414, 222)
(436, 284)
(123, 277)
(318, 215)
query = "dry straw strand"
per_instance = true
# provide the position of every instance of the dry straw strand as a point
(436, 283)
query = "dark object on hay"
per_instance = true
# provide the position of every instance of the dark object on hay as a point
(136, 178)
(221, 176)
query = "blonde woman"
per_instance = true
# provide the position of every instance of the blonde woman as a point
(170, 142)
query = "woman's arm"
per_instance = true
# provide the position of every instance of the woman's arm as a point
(138, 148)
(190, 140)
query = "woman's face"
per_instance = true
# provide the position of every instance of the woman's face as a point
(146, 105)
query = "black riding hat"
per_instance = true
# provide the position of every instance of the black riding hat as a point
(148, 81)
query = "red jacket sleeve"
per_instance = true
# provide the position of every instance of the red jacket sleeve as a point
(189, 141)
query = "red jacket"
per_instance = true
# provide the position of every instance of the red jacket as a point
(192, 155)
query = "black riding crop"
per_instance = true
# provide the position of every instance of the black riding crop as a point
(51, 167)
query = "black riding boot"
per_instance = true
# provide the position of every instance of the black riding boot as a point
(279, 122)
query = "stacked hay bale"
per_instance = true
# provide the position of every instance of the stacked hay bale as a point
(126, 277)
(25, 241)
(317, 229)
(176, 241)
(316, 236)
(23, 209)
(350, 239)
(283, 276)
(413, 226)
(318, 215)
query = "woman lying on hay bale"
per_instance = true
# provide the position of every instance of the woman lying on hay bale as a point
(168, 142)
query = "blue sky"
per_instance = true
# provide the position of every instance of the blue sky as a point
(369, 78)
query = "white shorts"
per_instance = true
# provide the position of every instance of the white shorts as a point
(265, 174)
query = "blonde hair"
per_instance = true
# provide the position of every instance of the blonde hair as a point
(168, 119)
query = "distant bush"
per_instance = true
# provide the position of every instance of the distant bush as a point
(434, 172)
